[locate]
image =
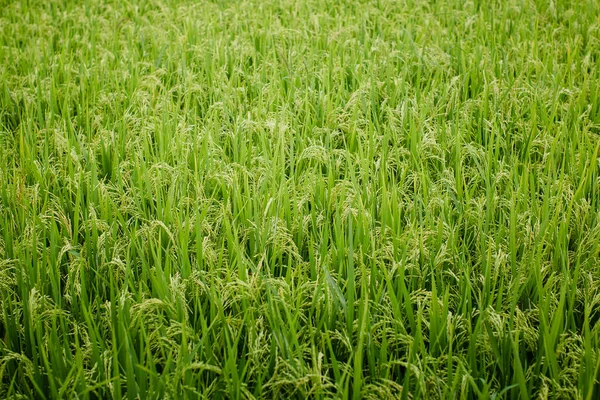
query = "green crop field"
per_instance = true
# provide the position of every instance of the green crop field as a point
(290, 199)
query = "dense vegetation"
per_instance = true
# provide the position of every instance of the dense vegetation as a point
(292, 199)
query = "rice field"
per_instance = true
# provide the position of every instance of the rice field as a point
(273, 199)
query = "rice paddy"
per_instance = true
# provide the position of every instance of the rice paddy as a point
(300, 199)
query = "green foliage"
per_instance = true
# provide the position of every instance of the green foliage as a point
(300, 199)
